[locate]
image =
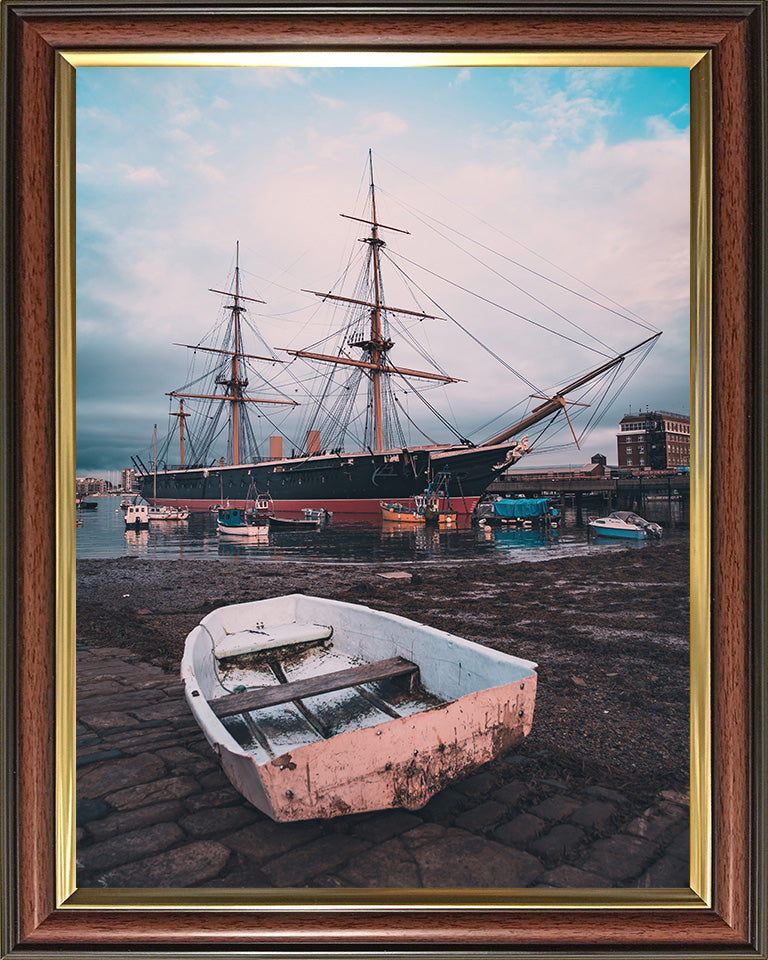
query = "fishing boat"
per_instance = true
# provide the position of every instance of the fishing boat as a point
(236, 522)
(431, 506)
(625, 525)
(136, 515)
(435, 502)
(318, 708)
(358, 405)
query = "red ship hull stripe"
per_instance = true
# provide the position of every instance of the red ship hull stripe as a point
(460, 505)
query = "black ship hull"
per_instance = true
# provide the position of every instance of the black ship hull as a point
(342, 483)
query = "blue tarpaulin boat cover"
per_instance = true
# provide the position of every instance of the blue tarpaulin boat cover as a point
(521, 508)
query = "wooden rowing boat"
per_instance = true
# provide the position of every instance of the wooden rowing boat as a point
(318, 708)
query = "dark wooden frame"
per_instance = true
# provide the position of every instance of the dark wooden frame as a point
(735, 33)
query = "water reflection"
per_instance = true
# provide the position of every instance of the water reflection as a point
(351, 538)
(136, 541)
(516, 539)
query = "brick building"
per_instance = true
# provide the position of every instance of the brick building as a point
(654, 440)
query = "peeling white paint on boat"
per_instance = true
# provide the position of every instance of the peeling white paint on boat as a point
(343, 751)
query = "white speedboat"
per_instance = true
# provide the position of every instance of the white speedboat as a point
(318, 708)
(626, 525)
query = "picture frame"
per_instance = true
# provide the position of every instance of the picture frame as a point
(39, 914)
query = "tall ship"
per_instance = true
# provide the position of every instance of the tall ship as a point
(357, 405)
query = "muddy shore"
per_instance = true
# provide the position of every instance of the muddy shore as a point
(609, 632)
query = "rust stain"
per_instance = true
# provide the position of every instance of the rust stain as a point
(284, 762)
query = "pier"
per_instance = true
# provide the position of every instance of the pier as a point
(611, 492)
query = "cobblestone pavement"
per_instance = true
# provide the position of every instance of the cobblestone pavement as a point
(155, 810)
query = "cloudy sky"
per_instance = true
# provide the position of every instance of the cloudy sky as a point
(547, 212)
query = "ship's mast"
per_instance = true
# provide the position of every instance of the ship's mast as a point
(236, 382)
(182, 416)
(377, 346)
(154, 461)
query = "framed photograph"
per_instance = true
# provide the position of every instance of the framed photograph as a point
(146, 841)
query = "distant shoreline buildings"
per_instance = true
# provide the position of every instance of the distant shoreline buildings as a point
(93, 486)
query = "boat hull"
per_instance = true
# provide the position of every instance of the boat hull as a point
(402, 763)
(355, 483)
(244, 530)
(619, 534)
(398, 514)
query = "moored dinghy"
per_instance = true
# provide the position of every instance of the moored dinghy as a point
(319, 708)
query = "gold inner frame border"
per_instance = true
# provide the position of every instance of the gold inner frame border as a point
(699, 894)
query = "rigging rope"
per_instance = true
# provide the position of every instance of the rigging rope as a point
(634, 318)
(516, 373)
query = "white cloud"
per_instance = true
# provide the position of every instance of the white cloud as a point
(273, 77)
(333, 103)
(683, 111)
(143, 174)
(462, 77)
(102, 117)
(383, 125)
(184, 116)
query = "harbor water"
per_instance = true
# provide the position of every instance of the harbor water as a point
(351, 539)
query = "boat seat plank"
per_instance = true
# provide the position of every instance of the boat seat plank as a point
(272, 696)
(270, 638)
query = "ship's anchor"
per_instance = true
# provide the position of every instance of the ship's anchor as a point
(562, 401)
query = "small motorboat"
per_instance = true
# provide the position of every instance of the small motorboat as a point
(295, 523)
(397, 513)
(517, 511)
(318, 708)
(321, 514)
(626, 525)
(168, 513)
(137, 515)
(236, 522)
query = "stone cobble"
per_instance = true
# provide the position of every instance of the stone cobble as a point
(154, 809)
